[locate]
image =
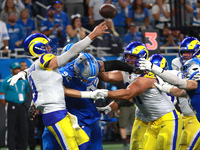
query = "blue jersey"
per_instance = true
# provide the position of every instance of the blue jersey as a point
(16, 33)
(83, 108)
(120, 19)
(28, 27)
(64, 21)
(46, 25)
(194, 96)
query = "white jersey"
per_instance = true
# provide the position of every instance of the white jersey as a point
(47, 87)
(152, 103)
(184, 104)
(176, 64)
(128, 79)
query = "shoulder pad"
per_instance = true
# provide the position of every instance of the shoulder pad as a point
(45, 59)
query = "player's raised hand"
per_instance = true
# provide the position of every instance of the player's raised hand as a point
(13, 80)
(98, 31)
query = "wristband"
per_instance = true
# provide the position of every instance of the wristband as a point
(6, 47)
(86, 94)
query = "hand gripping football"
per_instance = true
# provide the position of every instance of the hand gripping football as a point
(108, 11)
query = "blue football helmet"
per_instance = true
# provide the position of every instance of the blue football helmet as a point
(189, 44)
(159, 60)
(137, 49)
(37, 44)
(86, 68)
(67, 47)
(190, 68)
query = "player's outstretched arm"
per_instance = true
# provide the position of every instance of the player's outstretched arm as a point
(167, 88)
(78, 47)
(167, 75)
(111, 65)
(85, 94)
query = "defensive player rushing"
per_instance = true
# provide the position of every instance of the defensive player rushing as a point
(81, 74)
(47, 86)
(165, 123)
(191, 126)
(141, 122)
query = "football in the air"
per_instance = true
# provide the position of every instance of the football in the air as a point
(108, 11)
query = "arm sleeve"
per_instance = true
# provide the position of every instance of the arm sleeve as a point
(173, 79)
(74, 50)
(118, 65)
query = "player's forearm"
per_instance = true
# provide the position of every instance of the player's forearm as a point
(72, 93)
(172, 79)
(74, 50)
(121, 94)
(118, 65)
(177, 92)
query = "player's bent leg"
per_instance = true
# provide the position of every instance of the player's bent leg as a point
(65, 134)
(138, 130)
(49, 142)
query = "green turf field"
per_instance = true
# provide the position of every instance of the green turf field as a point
(105, 147)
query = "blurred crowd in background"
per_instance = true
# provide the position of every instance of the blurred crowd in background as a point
(69, 21)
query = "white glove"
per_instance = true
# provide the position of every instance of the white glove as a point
(147, 65)
(104, 110)
(97, 94)
(165, 87)
(13, 80)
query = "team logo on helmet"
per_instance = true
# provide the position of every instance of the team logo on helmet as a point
(37, 44)
(159, 60)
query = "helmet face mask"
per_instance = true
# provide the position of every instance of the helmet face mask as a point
(190, 68)
(189, 48)
(86, 68)
(134, 51)
(37, 44)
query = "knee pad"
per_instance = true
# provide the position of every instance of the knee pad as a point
(184, 137)
(162, 141)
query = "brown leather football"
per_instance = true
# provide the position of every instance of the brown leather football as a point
(108, 11)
